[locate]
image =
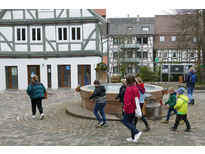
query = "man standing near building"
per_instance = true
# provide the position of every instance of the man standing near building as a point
(191, 79)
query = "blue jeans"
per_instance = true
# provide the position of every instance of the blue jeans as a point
(190, 92)
(100, 107)
(169, 112)
(128, 122)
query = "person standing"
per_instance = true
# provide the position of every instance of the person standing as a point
(100, 102)
(36, 91)
(122, 94)
(140, 86)
(181, 107)
(191, 79)
(129, 109)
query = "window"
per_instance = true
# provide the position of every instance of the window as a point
(139, 54)
(115, 55)
(139, 40)
(161, 39)
(120, 55)
(62, 33)
(144, 54)
(165, 55)
(129, 40)
(129, 70)
(174, 54)
(76, 33)
(115, 41)
(194, 39)
(129, 54)
(36, 34)
(173, 38)
(192, 54)
(145, 40)
(121, 41)
(115, 69)
(21, 34)
(145, 28)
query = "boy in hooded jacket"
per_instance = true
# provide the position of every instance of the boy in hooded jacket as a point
(181, 107)
(100, 102)
(140, 86)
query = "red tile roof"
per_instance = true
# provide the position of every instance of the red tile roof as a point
(101, 12)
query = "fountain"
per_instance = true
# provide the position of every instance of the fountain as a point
(113, 106)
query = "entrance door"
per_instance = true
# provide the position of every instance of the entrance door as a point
(49, 75)
(84, 75)
(11, 77)
(33, 69)
(64, 76)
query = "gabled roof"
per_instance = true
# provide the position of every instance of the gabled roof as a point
(101, 12)
(130, 26)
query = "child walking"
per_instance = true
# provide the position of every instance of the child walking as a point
(140, 86)
(99, 94)
(181, 107)
(171, 102)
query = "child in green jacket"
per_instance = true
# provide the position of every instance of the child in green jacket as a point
(171, 102)
(181, 107)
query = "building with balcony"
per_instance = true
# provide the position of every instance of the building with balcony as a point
(130, 44)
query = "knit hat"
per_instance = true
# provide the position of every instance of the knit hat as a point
(181, 90)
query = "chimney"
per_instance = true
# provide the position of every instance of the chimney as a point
(138, 18)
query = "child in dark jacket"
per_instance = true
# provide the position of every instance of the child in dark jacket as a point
(100, 102)
(140, 86)
(122, 94)
(171, 102)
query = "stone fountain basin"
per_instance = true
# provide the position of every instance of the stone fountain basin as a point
(113, 106)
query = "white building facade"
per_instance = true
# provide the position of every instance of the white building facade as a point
(61, 46)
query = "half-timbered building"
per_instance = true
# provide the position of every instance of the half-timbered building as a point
(61, 46)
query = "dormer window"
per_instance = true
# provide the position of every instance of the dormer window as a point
(145, 28)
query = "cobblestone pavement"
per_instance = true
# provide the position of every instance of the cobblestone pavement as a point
(57, 128)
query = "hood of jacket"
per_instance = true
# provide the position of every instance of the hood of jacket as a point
(141, 87)
(185, 98)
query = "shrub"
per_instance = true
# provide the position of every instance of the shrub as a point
(101, 67)
(146, 74)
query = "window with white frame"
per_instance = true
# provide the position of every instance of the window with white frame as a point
(36, 34)
(161, 39)
(62, 33)
(192, 54)
(173, 38)
(165, 54)
(21, 34)
(184, 54)
(174, 54)
(76, 33)
(115, 69)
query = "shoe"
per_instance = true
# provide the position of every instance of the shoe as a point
(130, 139)
(173, 128)
(146, 129)
(104, 125)
(137, 137)
(187, 130)
(165, 121)
(41, 116)
(99, 124)
(33, 116)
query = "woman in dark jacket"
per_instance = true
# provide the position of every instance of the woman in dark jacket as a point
(129, 108)
(36, 92)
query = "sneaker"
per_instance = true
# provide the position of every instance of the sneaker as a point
(41, 116)
(187, 130)
(104, 125)
(137, 137)
(33, 116)
(146, 129)
(165, 121)
(173, 128)
(99, 124)
(130, 139)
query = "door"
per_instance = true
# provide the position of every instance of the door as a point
(84, 75)
(33, 69)
(49, 75)
(64, 76)
(11, 77)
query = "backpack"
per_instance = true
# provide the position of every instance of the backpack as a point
(192, 78)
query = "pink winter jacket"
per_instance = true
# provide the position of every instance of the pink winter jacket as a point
(129, 99)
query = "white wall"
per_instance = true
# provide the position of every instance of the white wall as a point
(22, 69)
